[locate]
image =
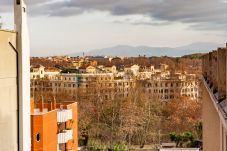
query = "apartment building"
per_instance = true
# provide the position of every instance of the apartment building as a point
(214, 100)
(8, 91)
(39, 72)
(87, 85)
(54, 126)
(107, 85)
(172, 86)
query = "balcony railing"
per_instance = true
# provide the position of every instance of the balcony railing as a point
(65, 136)
(64, 115)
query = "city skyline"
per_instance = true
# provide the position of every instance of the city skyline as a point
(76, 26)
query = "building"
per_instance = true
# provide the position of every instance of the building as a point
(8, 92)
(214, 100)
(108, 85)
(14, 83)
(39, 72)
(85, 85)
(54, 126)
(91, 69)
(172, 86)
(134, 69)
(110, 69)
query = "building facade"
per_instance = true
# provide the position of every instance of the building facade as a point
(54, 126)
(172, 87)
(214, 100)
(85, 86)
(8, 92)
(14, 83)
(109, 86)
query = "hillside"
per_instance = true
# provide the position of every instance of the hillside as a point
(130, 51)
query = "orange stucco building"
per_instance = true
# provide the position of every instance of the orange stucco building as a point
(54, 126)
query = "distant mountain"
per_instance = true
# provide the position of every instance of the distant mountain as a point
(124, 50)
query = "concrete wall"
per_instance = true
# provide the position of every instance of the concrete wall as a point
(20, 17)
(46, 126)
(211, 124)
(8, 92)
(214, 100)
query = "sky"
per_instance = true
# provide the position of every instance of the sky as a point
(59, 27)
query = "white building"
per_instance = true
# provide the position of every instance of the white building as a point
(39, 72)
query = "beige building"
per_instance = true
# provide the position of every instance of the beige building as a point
(110, 69)
(134, 69)
(91, 69)
(85, 85)
(14, 83)
(8, 88)
(214, 101)
(39, 72)
(172, 86)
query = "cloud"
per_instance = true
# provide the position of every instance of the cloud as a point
(210, 14)
(139, 20)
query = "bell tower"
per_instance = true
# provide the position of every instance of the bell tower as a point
(23, 48)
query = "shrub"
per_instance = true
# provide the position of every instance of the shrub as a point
(120, 147)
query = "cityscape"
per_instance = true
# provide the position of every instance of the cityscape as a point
(132, 77)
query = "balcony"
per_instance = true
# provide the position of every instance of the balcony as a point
(64, 115)
(65, 136)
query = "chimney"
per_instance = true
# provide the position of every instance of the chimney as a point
(54, 104)
(41, 104)
(50, 106)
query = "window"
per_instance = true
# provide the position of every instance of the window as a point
(18, 2)
(38, 137)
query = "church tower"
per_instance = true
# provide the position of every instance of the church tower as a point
(23, 48)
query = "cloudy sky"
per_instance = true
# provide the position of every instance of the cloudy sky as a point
(65, 26)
